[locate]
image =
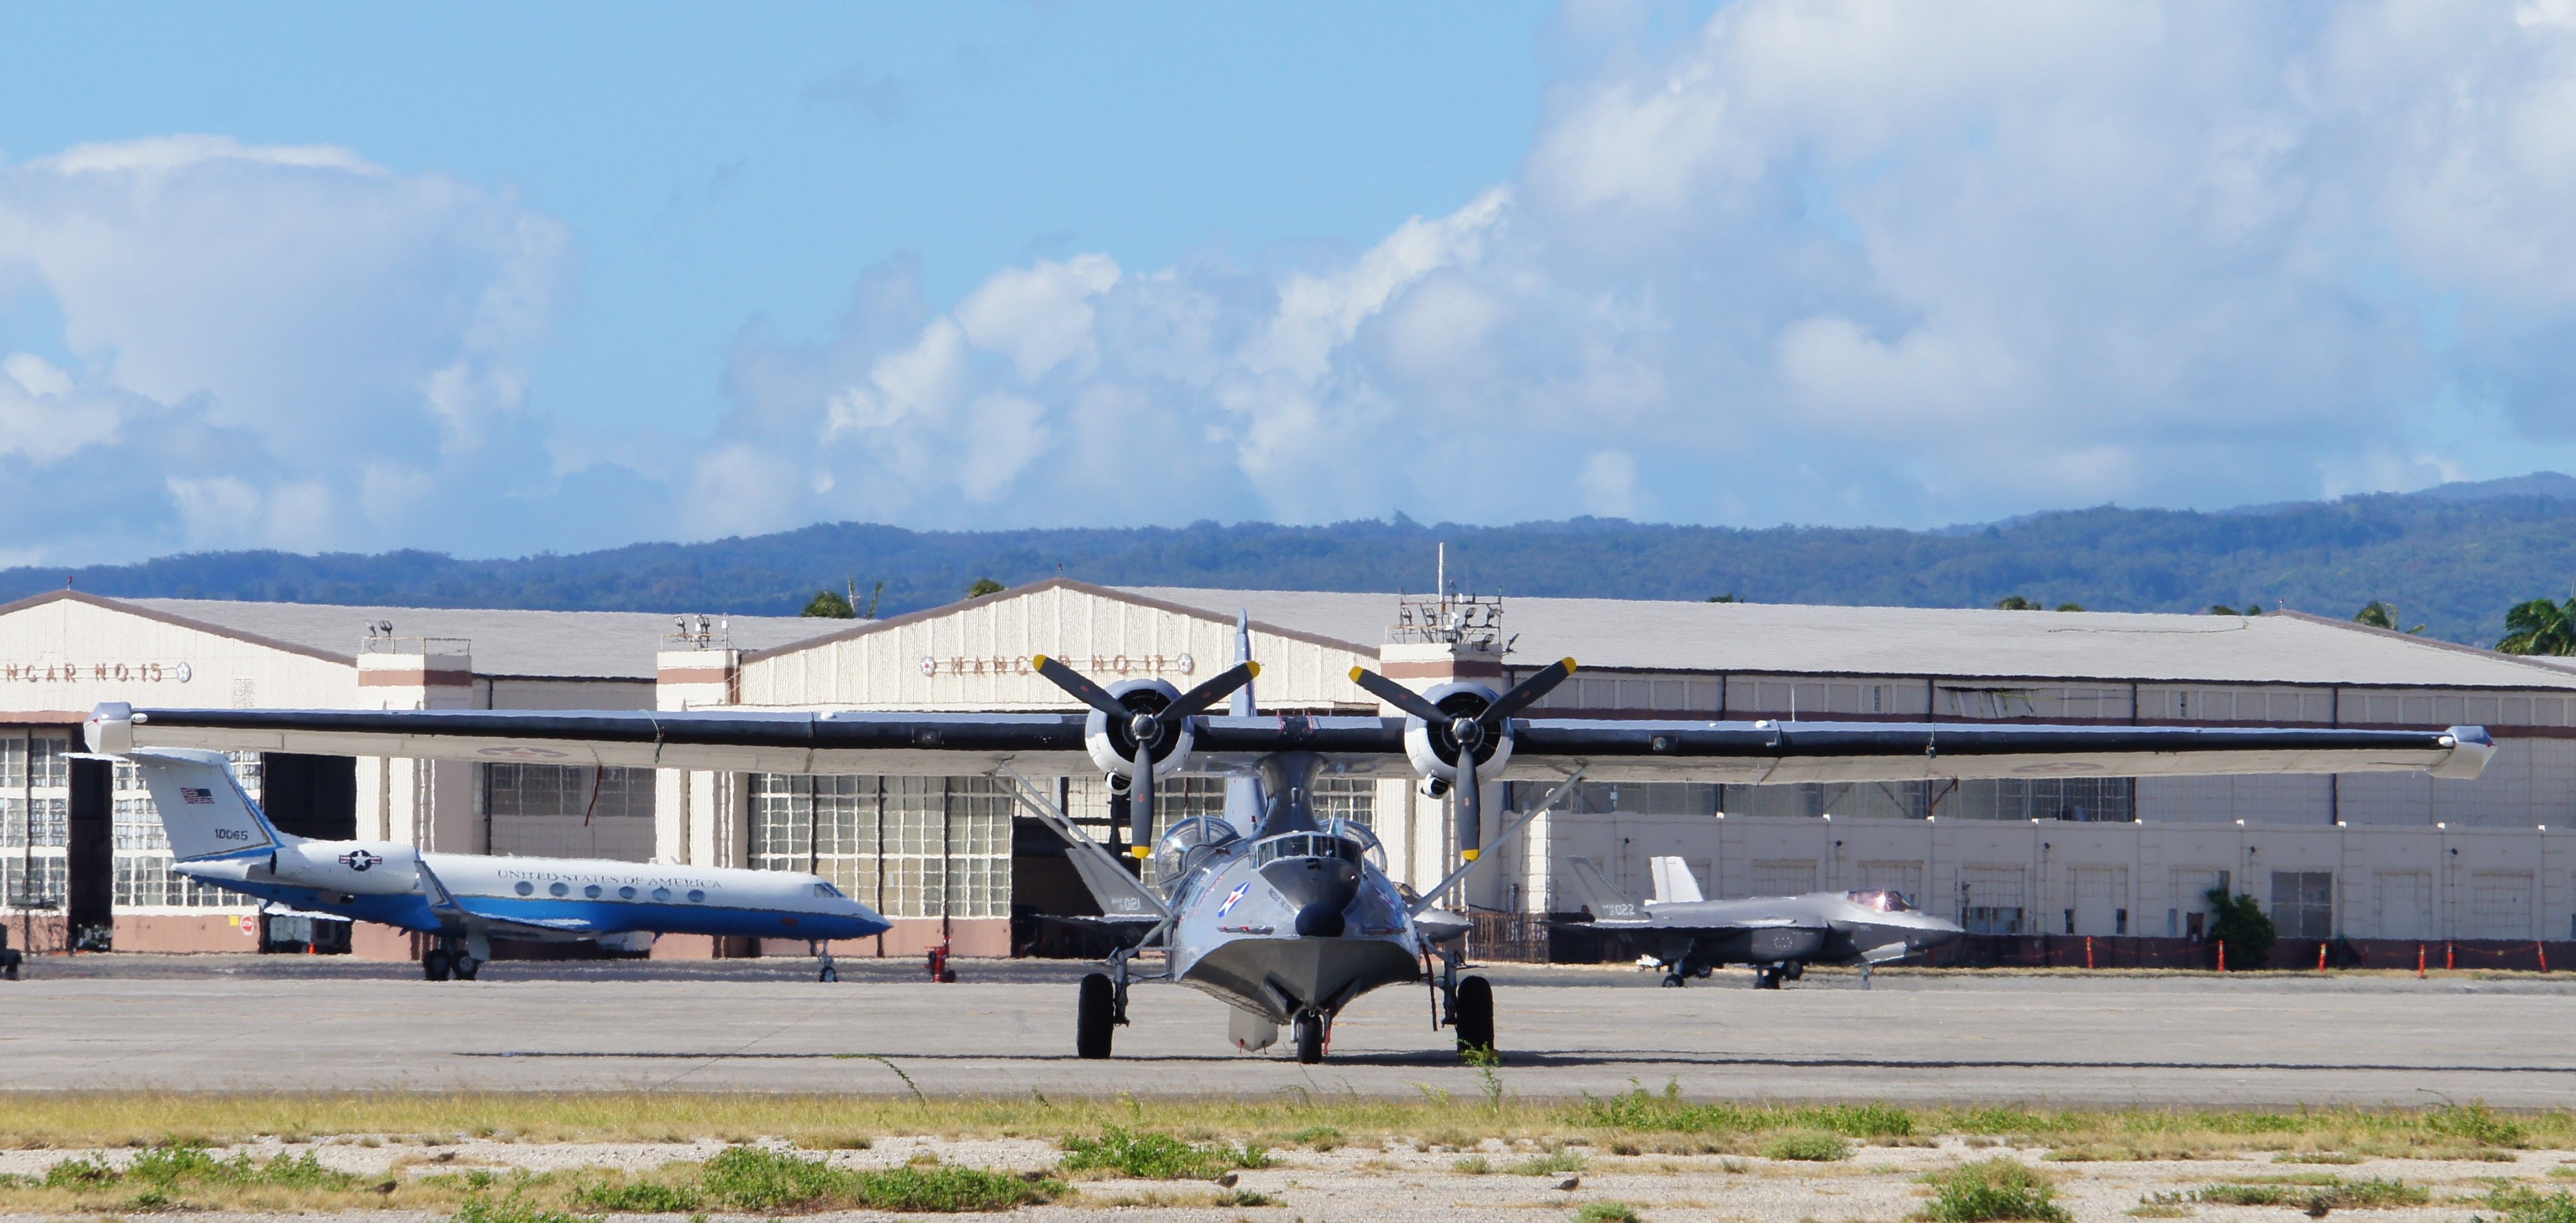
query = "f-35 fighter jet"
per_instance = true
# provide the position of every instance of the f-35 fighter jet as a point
(1778, 935)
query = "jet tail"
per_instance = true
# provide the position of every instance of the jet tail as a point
(1673, 882)
(1593, 893)
(202, 808)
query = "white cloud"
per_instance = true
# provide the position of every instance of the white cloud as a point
(358, 341)
(1825, 261)
(1820, 260)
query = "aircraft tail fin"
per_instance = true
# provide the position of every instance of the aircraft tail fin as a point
(1673, 882)
(1593, 893)
(202, 808)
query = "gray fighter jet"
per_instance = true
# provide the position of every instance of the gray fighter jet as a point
(1778, 935)
(1287, 916)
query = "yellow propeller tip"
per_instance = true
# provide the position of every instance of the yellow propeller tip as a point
(1040, 661)
(1138, 851)
(1252, 669)
(1569, 666)
(1357, 672)
(1470, 854)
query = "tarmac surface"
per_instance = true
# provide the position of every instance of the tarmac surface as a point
(297, 1023)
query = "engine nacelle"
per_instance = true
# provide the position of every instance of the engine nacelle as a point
(1115, 751)
(1463, 698)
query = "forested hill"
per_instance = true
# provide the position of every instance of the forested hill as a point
(2452, 558)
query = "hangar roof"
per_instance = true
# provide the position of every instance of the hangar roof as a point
(1949, 642)
(557, 644)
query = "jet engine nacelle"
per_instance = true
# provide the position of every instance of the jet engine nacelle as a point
(1114, 749)
(1428, 747)
(357, 868)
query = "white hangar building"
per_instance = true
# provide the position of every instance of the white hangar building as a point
(2375, 857)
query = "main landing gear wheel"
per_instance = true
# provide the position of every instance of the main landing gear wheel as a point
(1767, 977)
(1095, 1016)
(1310, 1038)
(1475, 1014)
(434, 964)
(466, 966)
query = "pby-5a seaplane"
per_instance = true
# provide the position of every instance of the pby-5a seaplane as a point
(1286, 916)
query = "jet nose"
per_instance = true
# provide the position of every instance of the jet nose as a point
(1938, 932)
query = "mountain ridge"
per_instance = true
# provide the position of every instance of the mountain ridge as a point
(2452, 557)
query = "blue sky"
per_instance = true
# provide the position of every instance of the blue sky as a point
(492, 279)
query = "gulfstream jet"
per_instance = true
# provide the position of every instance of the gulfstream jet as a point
(219, 836)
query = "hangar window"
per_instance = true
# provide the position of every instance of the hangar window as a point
(553, 810)
(2083, 799)
(2303, 903)
(911, 846)
(1346, 798)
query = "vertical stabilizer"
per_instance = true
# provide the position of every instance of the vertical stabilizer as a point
(1243, 803)
(1673, 882)
(1594, 894)
(202, 808)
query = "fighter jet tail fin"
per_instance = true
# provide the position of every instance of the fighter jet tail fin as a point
(1673, 881)
(1594, 894)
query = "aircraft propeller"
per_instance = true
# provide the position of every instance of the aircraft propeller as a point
(1148, 717)
(1464, 731)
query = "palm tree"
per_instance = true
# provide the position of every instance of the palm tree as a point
(2538, 626)
(2376, 614)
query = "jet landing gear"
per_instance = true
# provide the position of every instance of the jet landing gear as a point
(1769, 976)
(450, 958)
(823, 953)
(1679, 972)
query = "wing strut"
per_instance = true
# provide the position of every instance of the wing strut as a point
(1423, 904)
(1122, 896)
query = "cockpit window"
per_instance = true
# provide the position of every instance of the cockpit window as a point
(1885, 901)
(825, 889)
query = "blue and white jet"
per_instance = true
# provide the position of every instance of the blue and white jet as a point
(219, 836)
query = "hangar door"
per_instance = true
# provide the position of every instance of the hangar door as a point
(2500, 904)
(2405, 904)
(311, 796)
(2101, 901)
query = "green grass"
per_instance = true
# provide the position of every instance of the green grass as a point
(1155, 1156)
(2312, 1191)
(1473, 1165)
(1998, 1188)
(1553, 1163)
(640, 1197)
(1608, 1212)
(764, 1181)
(1813, 1146)
(2518, 1204)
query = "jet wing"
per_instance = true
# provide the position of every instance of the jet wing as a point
(947, 744)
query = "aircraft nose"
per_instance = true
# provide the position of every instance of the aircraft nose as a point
(1938, 932)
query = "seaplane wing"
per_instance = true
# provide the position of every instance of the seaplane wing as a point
(948, 744)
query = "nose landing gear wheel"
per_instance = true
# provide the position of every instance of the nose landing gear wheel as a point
(1475, 1014)
(1766, 977)
(1673, 980)
(1310, 1038)
(1094, 1017)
